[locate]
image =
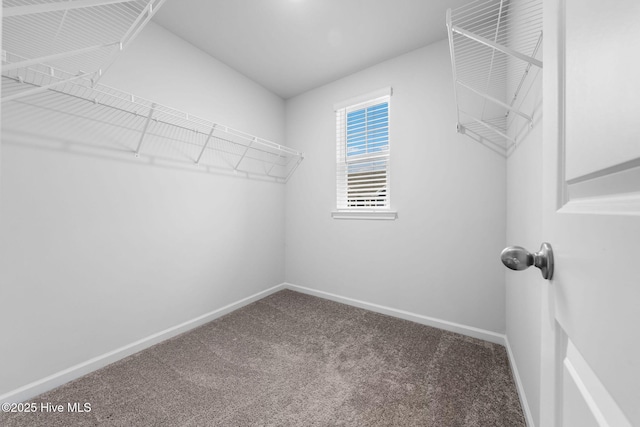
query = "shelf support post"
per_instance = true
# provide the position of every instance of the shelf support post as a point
(294, 168)
(273, 165)
(235, 168)
(144, 131)
(204, 147)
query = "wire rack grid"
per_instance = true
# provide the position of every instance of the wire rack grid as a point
(54, 53)
(495, 47)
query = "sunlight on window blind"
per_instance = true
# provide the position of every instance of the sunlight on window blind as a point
(363, 155)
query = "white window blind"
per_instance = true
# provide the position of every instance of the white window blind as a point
(362, 139)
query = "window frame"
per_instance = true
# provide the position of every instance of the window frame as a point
(342, 109)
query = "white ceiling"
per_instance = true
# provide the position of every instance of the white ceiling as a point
(292, 46)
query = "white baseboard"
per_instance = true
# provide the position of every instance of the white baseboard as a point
(470, 331)
(52, 381)
(519, 386)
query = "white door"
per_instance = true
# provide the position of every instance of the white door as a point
(591, 179)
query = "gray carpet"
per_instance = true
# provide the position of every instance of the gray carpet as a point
(295, 360)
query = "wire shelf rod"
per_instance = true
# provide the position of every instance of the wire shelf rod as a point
(29, 62)
(453, 60)
(144, 131)
(471, 10)
(294, 168)
(523, 38)
(204, 147)
(142, 20)
(482, 24)
(54, 39)
(38, 89)
(186, 123)
(478, 70)
(478, 61)
(57, 6)
(508, 30)
(243, 155)
(472, 53)
(51, 36)
(268, 172)
(484, 140)
(130, 122)
(86, 30)
(493, 55)
(128, 112)
(184, 127)
(490, 126)
(526, 71)
(488, 17)
(496, 46)
(498, 102)
(54, 27)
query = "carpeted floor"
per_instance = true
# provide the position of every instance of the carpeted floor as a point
(295, 360)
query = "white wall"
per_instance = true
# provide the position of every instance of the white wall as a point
(441, 257)
(524, 228)
(98, 251)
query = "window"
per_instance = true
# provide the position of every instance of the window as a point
(363, 142)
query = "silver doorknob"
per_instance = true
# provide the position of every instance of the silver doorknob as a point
(518, 258)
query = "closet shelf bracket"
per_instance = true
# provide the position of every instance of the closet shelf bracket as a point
(246, 150)
(144, 131)
(206, 143)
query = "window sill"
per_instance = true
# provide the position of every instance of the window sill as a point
(379, 215)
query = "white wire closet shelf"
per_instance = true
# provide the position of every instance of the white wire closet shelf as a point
(50, 88)
(495, 48)
(82, 110)
(81, 37)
